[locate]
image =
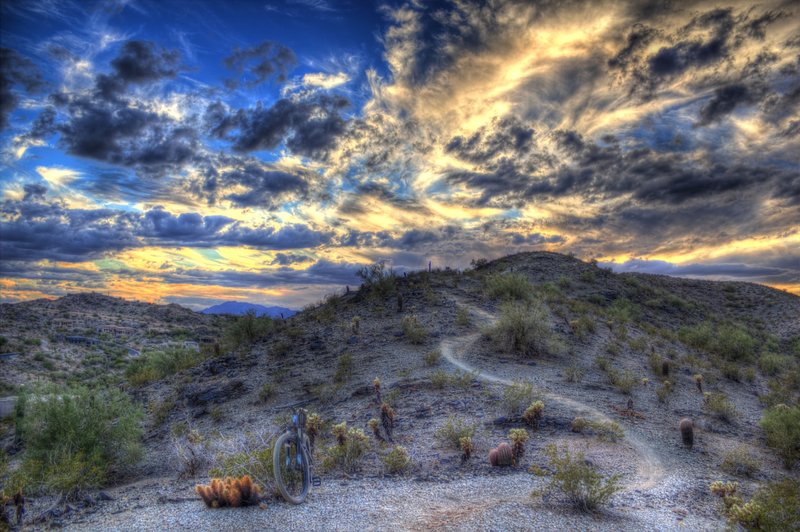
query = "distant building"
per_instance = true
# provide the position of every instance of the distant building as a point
(115, 331)
(85, 340)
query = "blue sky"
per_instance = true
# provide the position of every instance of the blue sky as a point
(204, 151)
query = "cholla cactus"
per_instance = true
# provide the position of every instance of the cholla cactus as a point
(374, 424)
(467, 448)
(698, 380)
(313, 423)
(518, 438)
(339, 432)
(533, 414)
(723, 489)
(376, 384)
(387, 419)
(355, 324)
(579, 424)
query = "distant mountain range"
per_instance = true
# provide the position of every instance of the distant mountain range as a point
(239, 308)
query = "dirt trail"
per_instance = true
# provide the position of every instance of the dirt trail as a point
(649, 469)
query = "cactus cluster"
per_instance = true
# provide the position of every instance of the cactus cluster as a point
(387, 419)
(501, 456)
(518, 438)
(533, 414)
(313, 425)
(233, 492)
(375, 426)
(467, 448)
(355, 325)
(698, 380)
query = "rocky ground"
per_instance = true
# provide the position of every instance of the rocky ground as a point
(665, 485)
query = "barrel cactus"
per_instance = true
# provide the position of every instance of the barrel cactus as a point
(501, 456)
(687, 431)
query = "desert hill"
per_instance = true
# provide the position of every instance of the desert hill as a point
(465, 353)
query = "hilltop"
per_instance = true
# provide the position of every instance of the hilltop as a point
(630, 354)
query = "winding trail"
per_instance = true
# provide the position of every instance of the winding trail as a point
(649, 470)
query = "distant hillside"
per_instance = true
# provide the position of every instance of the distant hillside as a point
(239, 308)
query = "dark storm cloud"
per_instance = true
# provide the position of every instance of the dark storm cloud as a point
(32, 230)
(535, 239)
(142, 61)
(260, 63)
(265, 187)
(34, 192)
(309, 126)
(285, 259)
(724, 101)
(504, 135)
(15, 70)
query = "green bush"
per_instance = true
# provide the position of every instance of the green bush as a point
(774, 507)
(734, 343)
(771, 363)
(523, 329)
(462, 316)
(350, 447)
(720, 406)
(414, 331)
(623, 311)
(781, 425)
(76, 438)
(517, 397)
(509, 286)
(624, 381)
(379, 281)
(740, 462)
(700, 336)
(432, 358)
(578, 481)
(397, 460)
(453, 430)
(344, 367)
(247, 330)
(160, 364)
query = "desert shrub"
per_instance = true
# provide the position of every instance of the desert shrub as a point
(774, 507)
(517, 397)
(344, 367)
(191, 450)
(414, 330)
(378, 280)
(624, 381)
(663, 392)
(266, 392)
(781, 425)
(432, 358)
(574, 373)
(587, 276)
(523, 329)
(439, 379)
(740, 462)
(734, 343)
(454, 430)
(604, 430)
(241, 454)
(509, 286)
(638, 344)
(397, 460)
(731, 371)
(623, 311)
(771, 363)
(351, 444)
(76, 438)
(245, 330)
(602, 363)
(718, 404)
(462, 316)
(534, 413)
(656, 363)
(699, 336)
(578, 481)
(583, 326)
(160, 364)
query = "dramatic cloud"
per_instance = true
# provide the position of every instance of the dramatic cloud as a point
(653, 136)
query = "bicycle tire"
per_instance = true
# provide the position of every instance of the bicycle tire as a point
(286, 485)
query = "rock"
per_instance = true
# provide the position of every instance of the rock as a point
(215, 393)
(104, 496)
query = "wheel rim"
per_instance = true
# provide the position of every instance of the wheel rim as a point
(292, 469)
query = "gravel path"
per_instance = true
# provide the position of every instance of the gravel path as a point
(649, 470)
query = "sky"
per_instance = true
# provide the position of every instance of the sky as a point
(196, 152)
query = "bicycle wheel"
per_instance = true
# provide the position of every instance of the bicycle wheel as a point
(292, 468)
